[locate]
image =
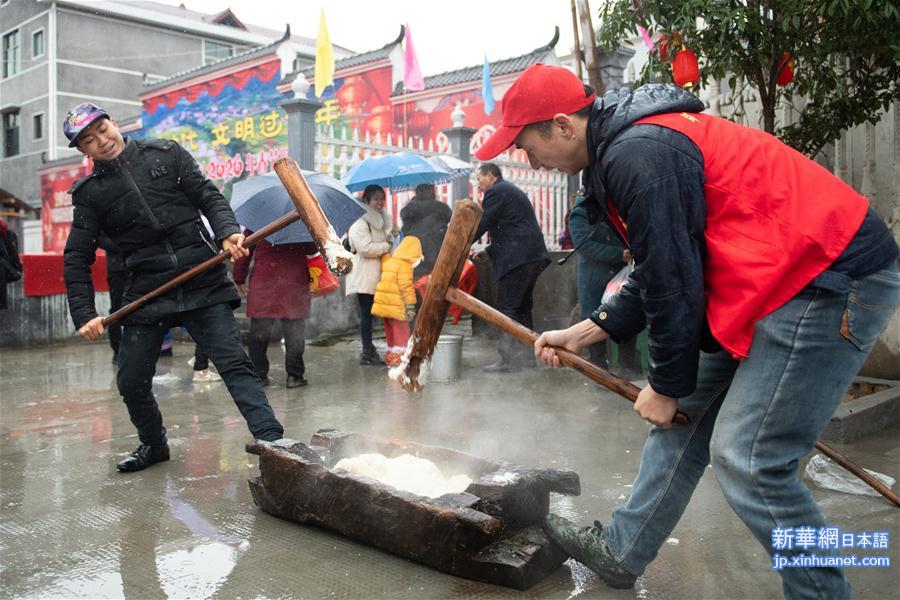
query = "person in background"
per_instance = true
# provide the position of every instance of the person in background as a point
(518, 254)
(10, 265)
(395, 296)
(200, 364)
(165, 349)
(147, 196)
(278, 294)
(600, 255)
(565, 236)
(370, 238)
(426, 218)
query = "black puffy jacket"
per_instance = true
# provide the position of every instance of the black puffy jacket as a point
(516, 237)
(427, 220)
(148, 200)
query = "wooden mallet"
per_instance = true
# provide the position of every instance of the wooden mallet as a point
(442, 291)
(307, 209)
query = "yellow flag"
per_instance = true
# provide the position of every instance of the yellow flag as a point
(324, 58)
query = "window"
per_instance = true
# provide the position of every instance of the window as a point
(11, 60)
(37, 125)
(10, 134)
(37, 44)
(214, 51)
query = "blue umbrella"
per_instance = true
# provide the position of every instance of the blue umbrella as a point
(399, 172)
(257, 201)
(457, 168)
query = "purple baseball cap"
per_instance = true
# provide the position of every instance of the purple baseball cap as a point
(80, 117)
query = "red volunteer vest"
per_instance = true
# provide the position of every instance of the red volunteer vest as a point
(774, 221)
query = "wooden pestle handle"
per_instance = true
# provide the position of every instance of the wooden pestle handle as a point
(447, 269)
(221, 257)
(624, 388)
(854, 468)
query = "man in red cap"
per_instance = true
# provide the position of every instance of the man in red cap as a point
(764, 282)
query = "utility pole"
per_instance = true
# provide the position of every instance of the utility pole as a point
(592, 54)
(579, 54)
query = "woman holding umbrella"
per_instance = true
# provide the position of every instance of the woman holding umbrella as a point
(279, 284)
(370, 238)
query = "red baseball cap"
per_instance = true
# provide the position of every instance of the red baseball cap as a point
(537, 95)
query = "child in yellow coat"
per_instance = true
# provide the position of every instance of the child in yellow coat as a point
(395, 296)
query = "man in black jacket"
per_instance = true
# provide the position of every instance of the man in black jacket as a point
(147, 197)
(518, 254)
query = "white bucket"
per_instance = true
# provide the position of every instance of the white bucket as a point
(446, 362)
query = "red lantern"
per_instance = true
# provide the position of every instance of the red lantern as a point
(380, 121)
(418, 123)
(353, 93)
(785, 70)
(401, 111)
(685, 69)
(353, 114)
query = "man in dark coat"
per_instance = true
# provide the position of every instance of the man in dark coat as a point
(426, 218)
(518, 255)
(147, 196)
(600, 255)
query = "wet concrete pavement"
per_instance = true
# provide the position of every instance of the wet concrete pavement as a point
(71, 526)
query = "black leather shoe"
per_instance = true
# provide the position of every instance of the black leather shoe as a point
(295, 382)
(501, 367)
(143, 457)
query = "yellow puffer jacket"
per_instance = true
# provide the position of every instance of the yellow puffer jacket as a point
(395, 290)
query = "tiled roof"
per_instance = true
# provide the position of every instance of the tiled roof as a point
(213, 67)
(352, 61)
(498, 67)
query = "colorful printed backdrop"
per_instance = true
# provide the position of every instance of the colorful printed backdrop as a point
(233, 125)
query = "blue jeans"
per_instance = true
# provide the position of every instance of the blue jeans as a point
(215, 330)
(756, 419)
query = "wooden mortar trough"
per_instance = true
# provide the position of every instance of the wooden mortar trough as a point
(491, 532)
